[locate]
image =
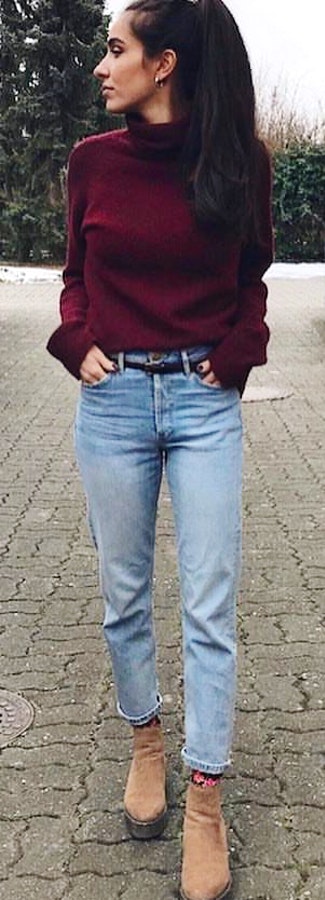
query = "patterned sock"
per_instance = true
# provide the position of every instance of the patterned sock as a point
(205, 779)
(154, 721)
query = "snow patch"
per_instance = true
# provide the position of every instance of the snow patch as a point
(296, 270)
(34, 274)
(29, 274)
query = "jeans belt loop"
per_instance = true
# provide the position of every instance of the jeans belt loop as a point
(121, 361)
(186, 362)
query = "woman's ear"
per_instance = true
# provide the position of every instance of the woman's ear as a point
(167, 65)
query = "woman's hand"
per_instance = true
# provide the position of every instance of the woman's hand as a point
(207, 374)
(96, 365)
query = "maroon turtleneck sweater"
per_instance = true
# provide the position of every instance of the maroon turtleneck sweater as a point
(141, 274)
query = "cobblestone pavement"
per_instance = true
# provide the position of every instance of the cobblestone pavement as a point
(62, 835)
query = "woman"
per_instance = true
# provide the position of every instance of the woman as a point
(162, 319)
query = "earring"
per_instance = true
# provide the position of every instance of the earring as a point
(158, 82)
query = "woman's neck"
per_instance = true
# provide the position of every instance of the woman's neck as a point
(164, 108)
(157, 140)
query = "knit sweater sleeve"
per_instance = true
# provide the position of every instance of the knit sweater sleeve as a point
(71, 341)
(245, 344)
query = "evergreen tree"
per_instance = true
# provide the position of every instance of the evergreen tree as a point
(50, 96)
(14, 20)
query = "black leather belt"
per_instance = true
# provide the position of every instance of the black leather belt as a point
(160, 368)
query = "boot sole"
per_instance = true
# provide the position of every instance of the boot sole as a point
(143, 831)
(225, 893)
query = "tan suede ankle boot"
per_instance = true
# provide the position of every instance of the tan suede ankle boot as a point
(145, 806)
(205, 870)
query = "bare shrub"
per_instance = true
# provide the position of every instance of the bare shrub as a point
(281, 121)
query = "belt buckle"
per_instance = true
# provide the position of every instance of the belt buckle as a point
(154, 364)
(155, 357)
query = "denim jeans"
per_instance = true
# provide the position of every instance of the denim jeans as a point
(129, 427)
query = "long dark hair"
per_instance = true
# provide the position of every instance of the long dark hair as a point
(222, 151)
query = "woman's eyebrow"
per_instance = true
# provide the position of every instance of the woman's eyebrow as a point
(114, 40)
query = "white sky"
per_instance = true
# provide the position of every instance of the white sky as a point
(286, 43)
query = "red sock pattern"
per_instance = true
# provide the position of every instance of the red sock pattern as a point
(204, 779)
(154, 721)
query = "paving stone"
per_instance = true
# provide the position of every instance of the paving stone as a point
(263, 632)
(14, 641)
(278, 692)
(47, 776)
(31, 588)
(17, 607)
(33, 757)
(287, 663)
(76, 647)
(70, 714)
(253, 765)
(26, 669)
(313, 888)
(45, 847)
(264, 837)
(266, 791)
(249, 732)
(264, 883)
(301, 781)
(37, 888)
(8, 588)
(297, 722)
(125, 858)
(285, 744)
(102, 828)
(304, 628)
(64, 733)
(110, 713)
(67, 633)
(307, 819)
(105, 788)
(78, 667)
(84, 887)
(92, 611)
(63, 692)
(30, 802)
(62, 612)
(28, 681)
(152, 884)
(114, 749)
(10, 843)
(311, 847)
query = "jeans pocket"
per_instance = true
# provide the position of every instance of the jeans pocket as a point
(214, 387)
(97, 384)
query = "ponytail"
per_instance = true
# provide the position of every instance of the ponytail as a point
(221, 152)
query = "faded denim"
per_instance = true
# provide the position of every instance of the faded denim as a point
(129, 427)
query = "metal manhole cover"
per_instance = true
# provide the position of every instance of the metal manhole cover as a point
(16, 715)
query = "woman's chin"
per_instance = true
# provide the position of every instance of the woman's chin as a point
(114, 108)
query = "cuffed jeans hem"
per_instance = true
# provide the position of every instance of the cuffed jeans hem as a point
(146, 717)
(201, 766)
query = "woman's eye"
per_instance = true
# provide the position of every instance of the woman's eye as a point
(115, 51)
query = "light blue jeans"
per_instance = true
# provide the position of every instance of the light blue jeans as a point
(128, 427)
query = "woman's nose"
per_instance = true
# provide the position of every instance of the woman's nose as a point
(102, 68)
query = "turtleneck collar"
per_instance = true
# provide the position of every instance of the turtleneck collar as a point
(163, 139)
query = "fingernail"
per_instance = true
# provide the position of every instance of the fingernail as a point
(200, 367)
(115, 367)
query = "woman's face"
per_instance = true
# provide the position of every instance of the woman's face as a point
(127, 76)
